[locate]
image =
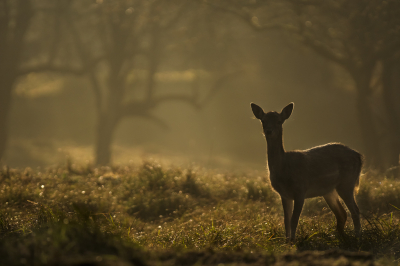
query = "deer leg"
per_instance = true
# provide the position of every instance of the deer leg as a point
(287, 212)
(298, 206)
(334, 204)
(348, 197)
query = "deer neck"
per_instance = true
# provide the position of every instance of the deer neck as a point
(275, 153)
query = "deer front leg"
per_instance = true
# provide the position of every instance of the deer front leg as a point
(298, 206)
(287, 212)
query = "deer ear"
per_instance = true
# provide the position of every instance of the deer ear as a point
(257, 110)
(287, 111)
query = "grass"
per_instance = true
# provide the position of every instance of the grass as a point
(152, 214)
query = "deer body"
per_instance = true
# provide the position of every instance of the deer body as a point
(328, 170)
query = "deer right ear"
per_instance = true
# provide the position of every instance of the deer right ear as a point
(287, 111)
(257, 110)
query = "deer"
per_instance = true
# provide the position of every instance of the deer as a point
(329, 170)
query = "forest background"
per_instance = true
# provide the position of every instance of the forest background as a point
(103, 82)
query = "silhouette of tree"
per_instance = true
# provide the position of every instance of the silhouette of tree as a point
(358, 35)
(15, 18)
(111, 43)
(113, 39)
(28, 44)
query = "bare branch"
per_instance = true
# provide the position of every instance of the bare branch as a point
(133, 108)
(50, 68)
(324, 51)
(251, 20)
(154, 55)
(155, 119)
(390, 51)
(88, 63)
(181, 98)
(218, 85)
(177, 16)
(5, 15)
(83, 54)
(23, 19)
(247, 17)
(58, 14)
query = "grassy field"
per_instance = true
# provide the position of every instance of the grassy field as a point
(152, 215)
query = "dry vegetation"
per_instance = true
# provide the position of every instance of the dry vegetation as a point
(154, 215)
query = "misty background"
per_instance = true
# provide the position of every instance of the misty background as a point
(115, 82)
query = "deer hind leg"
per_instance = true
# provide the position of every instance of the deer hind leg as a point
(334, 204)
(347, 194)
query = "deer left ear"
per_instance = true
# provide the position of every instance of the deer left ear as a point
(287, 111)
(257, 110)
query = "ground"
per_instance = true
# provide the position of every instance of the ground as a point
(148, 214)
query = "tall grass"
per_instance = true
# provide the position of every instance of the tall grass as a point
(96, 213)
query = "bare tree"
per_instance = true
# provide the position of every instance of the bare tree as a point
(111, 43)
(122, 32)
(113, 39)
(357, 35)
(15, 18)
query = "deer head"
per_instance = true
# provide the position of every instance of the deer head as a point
(272, 121)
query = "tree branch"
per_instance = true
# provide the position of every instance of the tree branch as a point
(218, 85)
(50, 68)
(141, 109)
(390, 50)
(22, 23)
(181, 98)
(135, 108)
(88, 64)
(247, 17)
(252, 21)
(58, 13)
(322, 50)
(155, 119)
(177, 16)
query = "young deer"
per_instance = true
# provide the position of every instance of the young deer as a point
(329, 170)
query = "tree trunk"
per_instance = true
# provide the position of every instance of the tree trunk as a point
(11, 47)
(391, 110)
(365, 117)
(5, 103)
(105, 130)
